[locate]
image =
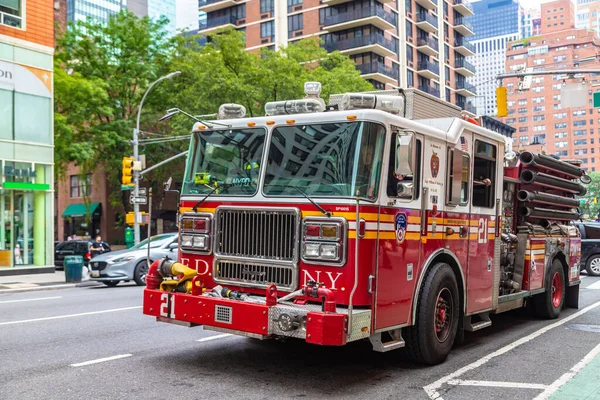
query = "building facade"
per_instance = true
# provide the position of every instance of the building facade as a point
(587, 15)
(26, 135)
(411, 43)
(100, 10)
(536, 113)
(532, 22)
(496, 23)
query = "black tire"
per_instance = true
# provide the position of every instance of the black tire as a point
(548, 304)
(430, 340)
(139, 275)
(593, 265)
(111, 283)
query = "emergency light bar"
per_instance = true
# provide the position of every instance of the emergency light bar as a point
(303, 106)
(230, 111)
(355, 101)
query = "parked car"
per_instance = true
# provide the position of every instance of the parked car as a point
(131, 264)
(590, 247)
(72, 248)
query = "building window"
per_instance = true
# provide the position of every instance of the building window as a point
(267, 30)
(292, 4)
(81, 187)
(12, 13)
(267, 6)
(410, 79)
(295, 23)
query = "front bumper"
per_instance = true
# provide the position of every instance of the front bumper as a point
(306, 322)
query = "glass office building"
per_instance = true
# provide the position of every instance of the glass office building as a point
(80, 10)
(167, 8)
(496, 18)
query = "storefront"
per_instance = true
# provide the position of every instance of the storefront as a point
(82, 220)
(26, 216)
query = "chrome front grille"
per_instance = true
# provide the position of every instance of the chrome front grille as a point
(268, 234)
(255, 274)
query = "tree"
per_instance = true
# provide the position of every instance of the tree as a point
(592, 196)
(101, 73)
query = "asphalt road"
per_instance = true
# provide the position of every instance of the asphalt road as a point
(95, 343)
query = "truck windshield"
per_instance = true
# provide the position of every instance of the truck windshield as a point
(228, 159)
(325, 160)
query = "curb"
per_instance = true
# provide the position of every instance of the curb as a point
(47, 287)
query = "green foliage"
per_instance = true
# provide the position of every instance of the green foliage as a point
(102, 71)
(593, 191)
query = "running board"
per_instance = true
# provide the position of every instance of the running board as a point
(381, 347)
(483, 322)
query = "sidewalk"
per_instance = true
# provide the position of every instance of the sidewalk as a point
(32, 282)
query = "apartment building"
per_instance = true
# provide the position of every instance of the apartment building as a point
(587, 15)
(496, 23)
(536, 113)
(26, 136)
(411, 43)
(532, 22)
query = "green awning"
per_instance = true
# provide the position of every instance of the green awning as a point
(79, 210)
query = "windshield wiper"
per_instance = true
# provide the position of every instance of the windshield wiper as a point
(314, 203)
(195, 208)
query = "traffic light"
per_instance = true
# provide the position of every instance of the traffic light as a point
(501, 101)
(127, 177)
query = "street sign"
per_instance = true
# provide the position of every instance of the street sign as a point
(142, 191)
(138, 200)
(596, 99)
(126, 187)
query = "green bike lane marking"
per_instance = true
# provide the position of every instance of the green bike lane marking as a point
(582, 383)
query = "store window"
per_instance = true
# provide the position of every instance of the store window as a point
(32, 118)
(12, 13)
(81, 187)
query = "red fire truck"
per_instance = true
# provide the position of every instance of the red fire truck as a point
(368, 218)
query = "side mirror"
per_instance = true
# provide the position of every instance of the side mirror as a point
(173, 245)
(405, 190)
(405, 154)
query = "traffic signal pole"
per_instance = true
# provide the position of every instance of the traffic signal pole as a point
(136, 143)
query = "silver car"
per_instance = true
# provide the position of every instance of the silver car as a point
(130, 264)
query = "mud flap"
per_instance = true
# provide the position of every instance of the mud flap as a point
(572, 296)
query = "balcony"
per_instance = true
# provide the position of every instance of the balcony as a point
(359, 17)
(464, 67)
(463, 27)
(464, 47)
(427, 22)
(464, 7)
(379, 72)
(212, 25)
(215, 5)
(429, 46)
(336, 2)
(370, 43)
(468, 107)
(430, 90)
(464, 89)
(428, 69)
(427, 4)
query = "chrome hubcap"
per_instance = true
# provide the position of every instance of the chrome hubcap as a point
(595, 265)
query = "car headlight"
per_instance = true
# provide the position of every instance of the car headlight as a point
(122, 259)
(186, 240)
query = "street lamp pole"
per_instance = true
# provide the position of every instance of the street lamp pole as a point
(136, 174)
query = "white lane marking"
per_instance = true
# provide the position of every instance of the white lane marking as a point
(23, 321)
(516, 385)
(100, 360)
(432, 388)
(215, 337)
(594, 286)
(38, 299)
(554, 386)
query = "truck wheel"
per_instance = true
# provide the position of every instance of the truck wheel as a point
(549, 303)
(111, 283)
(593, 266)
(139, 275)
(430, 340)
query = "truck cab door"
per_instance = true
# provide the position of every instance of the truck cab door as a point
(399, 245)
(486, 188)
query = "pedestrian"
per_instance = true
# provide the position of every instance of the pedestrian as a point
(99, 247)
(17, 251)
(74, 237)
(69, 238)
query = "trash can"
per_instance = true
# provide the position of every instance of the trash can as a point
(73, 268)
(129, 237)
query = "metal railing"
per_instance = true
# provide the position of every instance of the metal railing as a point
(218, 21)
(464, 43)
(378, 68)
(360, 13)
(426, 17)
(431, 42)
(462, 63)
(464, 3)
(464, 22)
(466, 86)
(332, 44)
(430, 89)
(428, 65)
